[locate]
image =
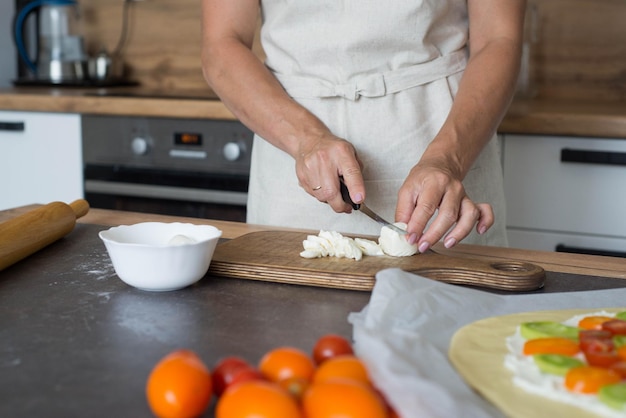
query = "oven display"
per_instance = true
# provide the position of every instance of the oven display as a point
(187, 138)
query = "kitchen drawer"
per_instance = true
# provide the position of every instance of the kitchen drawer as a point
(573, 243)
(544, 192)
(40, 158)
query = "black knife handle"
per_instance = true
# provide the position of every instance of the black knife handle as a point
(345, 195)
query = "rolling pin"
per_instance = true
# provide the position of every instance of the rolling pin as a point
(32, 231)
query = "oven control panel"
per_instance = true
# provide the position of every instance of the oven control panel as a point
(200, 145)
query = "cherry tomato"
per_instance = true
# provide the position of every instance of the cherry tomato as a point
(597, 339)
(179, 386)
(285, 363)
(343, 398)
(329, 346)
(599, 352)
(344, 367)
(225, 370)
(594, 334)
(589, 379)
(551, 345)
(615, 326)
(295, 386)
(619, 367)
(245, 375)
(257, 399)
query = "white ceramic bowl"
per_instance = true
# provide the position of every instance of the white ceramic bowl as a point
(161, 256)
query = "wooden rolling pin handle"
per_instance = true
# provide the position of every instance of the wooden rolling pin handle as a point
(32, 231)
(80, 207)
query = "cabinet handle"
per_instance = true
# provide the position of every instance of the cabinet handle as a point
(592, 157)
(561, 248)
(12, 126)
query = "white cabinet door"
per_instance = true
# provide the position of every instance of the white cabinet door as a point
(40, 158)
(565, 191)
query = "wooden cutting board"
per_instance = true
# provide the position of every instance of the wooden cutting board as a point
(275, 256)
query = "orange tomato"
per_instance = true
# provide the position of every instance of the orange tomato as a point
(589, 379)
(295, 386)
(343, 398)
(621, 352)
(286, 362)
(346, 366)
(551, 345)
(257, 399)
(593, 322)
(179, 386)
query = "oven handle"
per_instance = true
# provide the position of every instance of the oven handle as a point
(164, 192)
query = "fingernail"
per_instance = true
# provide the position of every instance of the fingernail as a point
(482, 229)
(423, 247)
(358, 198)
(449, 243)
(412, 239)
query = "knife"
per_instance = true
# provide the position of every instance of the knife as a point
(345, 195)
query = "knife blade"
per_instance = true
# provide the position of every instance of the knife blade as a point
(345, 195)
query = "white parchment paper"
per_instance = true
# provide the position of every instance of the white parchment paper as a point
(404, 333)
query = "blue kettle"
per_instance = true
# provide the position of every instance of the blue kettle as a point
(60, 51)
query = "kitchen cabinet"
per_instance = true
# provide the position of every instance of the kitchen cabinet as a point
(565, 193)
(40, 158)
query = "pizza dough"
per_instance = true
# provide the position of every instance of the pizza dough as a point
(477, 351)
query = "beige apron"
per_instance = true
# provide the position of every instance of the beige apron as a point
(383, 76)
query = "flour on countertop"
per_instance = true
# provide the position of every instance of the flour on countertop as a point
(97, 265)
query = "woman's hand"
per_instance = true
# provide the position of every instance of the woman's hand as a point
(433, 191)
(319, 164)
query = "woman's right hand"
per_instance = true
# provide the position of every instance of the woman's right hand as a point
(320, 162)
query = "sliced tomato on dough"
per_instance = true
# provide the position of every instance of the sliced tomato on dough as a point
(619, 367)
(615, 326)
(593, 321)
(589, 379)
(551, 345)
(599, 352)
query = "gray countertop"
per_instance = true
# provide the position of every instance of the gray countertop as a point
(77, 341)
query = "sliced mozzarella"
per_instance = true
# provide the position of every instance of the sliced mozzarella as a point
(394, 243)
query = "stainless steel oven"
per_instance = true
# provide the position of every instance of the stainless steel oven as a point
(185, 167)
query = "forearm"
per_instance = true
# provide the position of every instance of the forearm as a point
(484, 95)
(256, 98)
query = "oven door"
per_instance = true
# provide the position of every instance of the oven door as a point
(167, 192)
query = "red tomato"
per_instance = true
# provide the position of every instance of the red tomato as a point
(619, 367)
(615, 326)
(245, 375)
(600, 353)
(330, 346)
(225, 370)
(595, 340)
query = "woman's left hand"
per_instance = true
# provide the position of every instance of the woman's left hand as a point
(432, 191)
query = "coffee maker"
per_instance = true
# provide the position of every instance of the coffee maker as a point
(60, 54)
